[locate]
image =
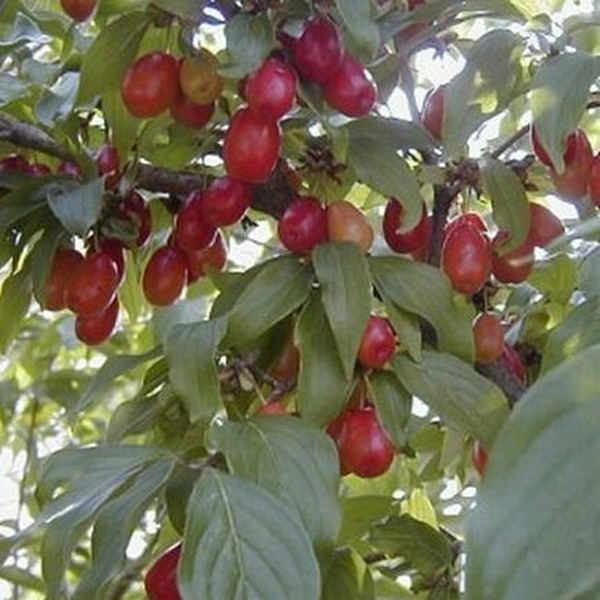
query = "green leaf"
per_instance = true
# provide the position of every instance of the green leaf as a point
(556, 278)
(78, 206)
(250, 39)
(44, 249)
(11, 88)
(346, 575)
(560, 92)
(111, 54)
(360, 512)
(464, 399)
(241, 541)
(407, 328)
(21, 202)
(190, 352)
(393, 404)
(343, 274)
(23, 579)
(386, 589)
(425, 291)
(509, 200)
(357, 17)
(589, 274)
(15, 299)
(537, 507)
(322, 383)
(57, 101)
(373, 144)
(277, 290)
(292, 459)
(422, 546)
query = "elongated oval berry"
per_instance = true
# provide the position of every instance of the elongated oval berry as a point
(470, 218)
(190, 114)
(432, 113)
(347, 223)
(161, 579)
(466, 259)
(514, 266)
(199, 262)
(303, 225)
(192, 230)
(544, 227)
(572, 183)
(165, 275)
(78, 10)
(225, 201)
(408, 241)
(488, 335)
(97, 328)
(108, 163)
(542, 155)
(271, 89)
(251, 147)
(134, 208)
(378, 343)
(65, 263)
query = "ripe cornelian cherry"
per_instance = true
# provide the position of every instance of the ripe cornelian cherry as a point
(466, 259)
(192, 230)
(432, 113)
(488, 335)
(272, 407)
(134, 208)
(165, 275)
(271, 89)
(251, 146)
(39, 169)
(317, 53)
(66, 261)
(479, 456)
(225, 201)
(97, 328)
(200, 262)
(114, 248)
(78, 10)
(347, 223)
(471, 218)
(14, 163)
(287, 365)
(514, 266)
(108, 164)
(594, 181)
(69, 167)
(93, 285)
(572, 183)
(542, 155)
(190, 114)
(408, 241)
(351, 90)
(378, 343)
(544, 227)
(161, 579)
(151, 84)
(511, 359)
(303, 225)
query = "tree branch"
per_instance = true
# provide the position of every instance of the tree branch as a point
(504, 379)
(444, 195)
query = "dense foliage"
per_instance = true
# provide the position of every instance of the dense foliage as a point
(278, 277)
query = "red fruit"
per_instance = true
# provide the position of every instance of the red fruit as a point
(409, 241)
(480, 457)
(272, 407)
(151, 84)
(114, 248)
(378, 343)
(466, 259)
(594, 181)
(251, 147)
(541, 153)
(78, 10)
(287, 366)
(470, 218)
(40, 170)
(514, 266)
(161, 580)
(364, 447)
(347, 223)
(190, 114)
(15, 163)
(511, 359)
(351, 90)
(66, 262)
(432, 113)
(303, 225)
(335, 430)
(165, 275)
(109, 164)
(545, 225)
(271, 89)
(97, 328)
(572, 184)
(214, 257)
(134, 208)
(488, 335)
(317, 53)
(192, 230)
(69, 168)
(225, 201)
(93, 285)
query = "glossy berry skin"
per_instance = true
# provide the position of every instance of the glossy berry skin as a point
(134, 208)
(303, 225)
(165, 275)
(14, 163)
(97, 328)
(272, 407)
(488, 335)
(161, 579)
(108, 164)
(545, 226)
(466, 259)
(225, 201)
(404, 242)
(190, 114)
(199, 79)
(213, 257)
(192, 230)
(470, 218)
(542, 155)
(347, 223)
(114, 249)
(378, 343)
(78, 10)
(432, 113)
(271, 90)
(352, 91)
(40, 170)
(93, 285)
(251, 147)
(479, 456)
(572, 184)
(151, 84)
(317, 53)
(66, 261)
(594, 181)
(514, 266)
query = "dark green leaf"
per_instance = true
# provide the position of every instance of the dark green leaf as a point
(407, 328)
(15, 298)
(589, 274)
(536, 509)
(343, 274)
(359, 21)
(22, 578)
(134, 416)
(346, 575)
(241, 541)
(292, 459)
(21, 202)
(360, 513)
(41, 256)
(556, 278)
(464, 399)
(190, 351)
